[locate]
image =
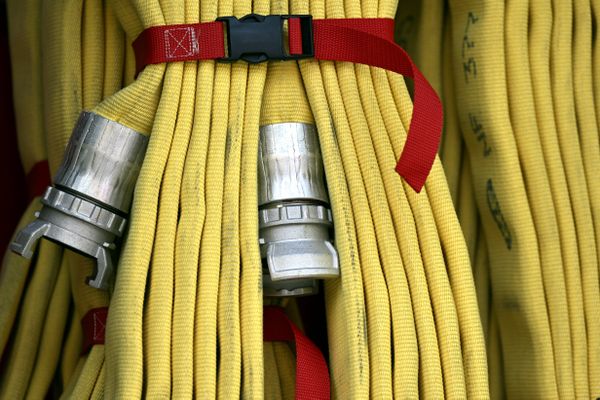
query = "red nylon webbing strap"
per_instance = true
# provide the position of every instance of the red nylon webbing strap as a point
(38, 179)
(312, 375)
(367, 41)
(295, 39)
(371, 42)
(186, 42)
(94, 327)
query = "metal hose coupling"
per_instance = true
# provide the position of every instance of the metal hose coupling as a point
(87, 206)
(295, 221)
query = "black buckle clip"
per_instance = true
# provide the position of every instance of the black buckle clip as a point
(258, 38)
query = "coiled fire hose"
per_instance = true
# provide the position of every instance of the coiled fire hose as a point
(524, 74)
(40, 336)
(404, 317)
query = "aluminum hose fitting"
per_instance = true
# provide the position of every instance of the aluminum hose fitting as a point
(87, 206)
(295, 221)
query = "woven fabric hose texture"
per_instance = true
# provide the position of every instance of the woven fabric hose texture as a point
(293, 199)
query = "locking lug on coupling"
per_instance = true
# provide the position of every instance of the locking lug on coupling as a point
(86, 208)
(295, 222)
(288, 287)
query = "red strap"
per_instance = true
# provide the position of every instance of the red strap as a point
(360, 40)
(312, 375)
(94, 326)
(371, 42)
(295, 36)
(187, 42)
(38, 179)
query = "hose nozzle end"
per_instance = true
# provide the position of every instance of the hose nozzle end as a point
(86, 208)
(78, 224)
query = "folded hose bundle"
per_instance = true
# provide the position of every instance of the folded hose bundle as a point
(42, 345)
(523, 88)
(217, 191)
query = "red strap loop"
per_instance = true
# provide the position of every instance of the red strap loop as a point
(94, 327)
(312, 375)
(367, 41)
(38, 179)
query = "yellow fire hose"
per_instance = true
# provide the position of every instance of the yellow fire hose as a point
(535, 77)
(484, 284)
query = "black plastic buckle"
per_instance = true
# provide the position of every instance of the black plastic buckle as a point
(258, 38)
